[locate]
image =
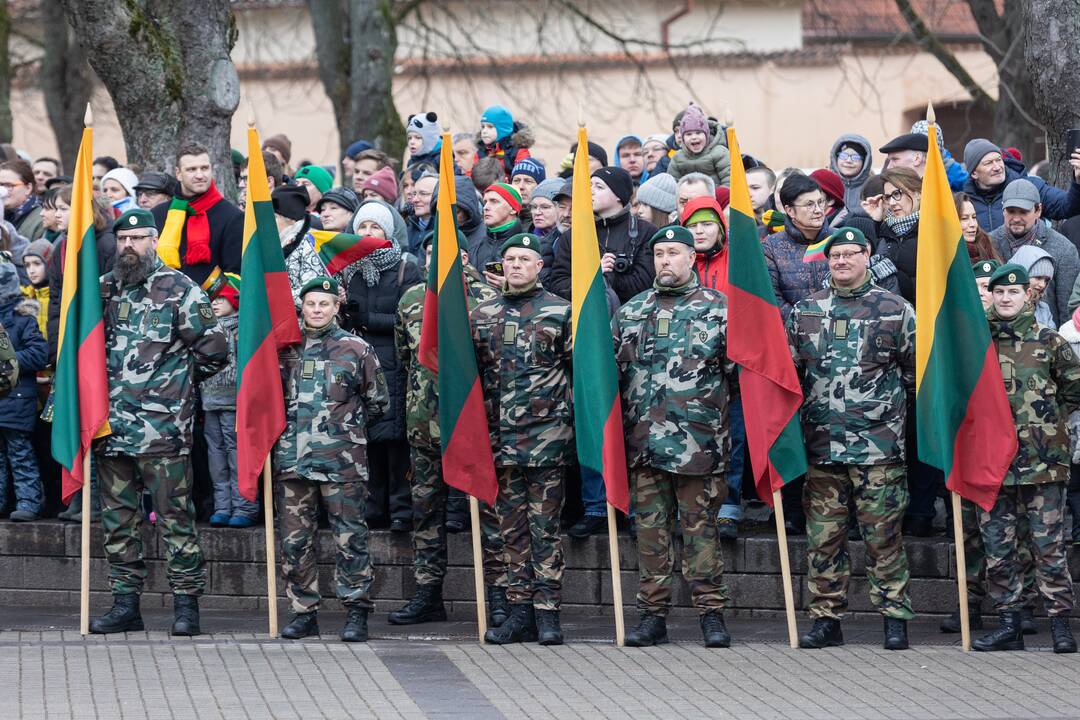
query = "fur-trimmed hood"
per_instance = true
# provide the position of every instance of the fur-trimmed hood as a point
(522, 137)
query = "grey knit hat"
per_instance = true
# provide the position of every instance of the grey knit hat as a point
(1035, 260)
(658, 192)
(976, 150)
(548, 189)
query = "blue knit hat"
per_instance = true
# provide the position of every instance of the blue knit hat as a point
(357, 147)
(501, 118)
(531, 167)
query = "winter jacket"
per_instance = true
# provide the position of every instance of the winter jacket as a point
(36, 303)
(219, 391)
(548, 243)
(622, 234)
(106, 255)
(712, 269)
(470, 222)
(902, 250)
(226, 239)
(714, 161)
(792, 279)
(1059, 294)
(644, 173)
(853, 185)
(27, 219)
(954, 172)
(1057, 204)
(18, 409)
(511, 150)
(1072, 336)
(370, 313)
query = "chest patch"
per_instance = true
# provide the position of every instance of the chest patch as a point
(125, 310)
(308, 370)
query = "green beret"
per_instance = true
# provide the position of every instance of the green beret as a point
(845, 236)
(322, 283)
(133, 219)
(1009, 274)
(672, 233)
(985, 268)
(521, 240)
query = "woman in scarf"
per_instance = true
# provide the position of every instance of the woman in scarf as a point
(898, 231)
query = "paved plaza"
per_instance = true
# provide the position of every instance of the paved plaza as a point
(436, 671)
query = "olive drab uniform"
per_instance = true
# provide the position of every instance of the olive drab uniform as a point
(676, 382)
(333, 386)
(854, 350)
(429, 492)
(9, 366)
(1042, 379)
(523, 354)
(161, 339)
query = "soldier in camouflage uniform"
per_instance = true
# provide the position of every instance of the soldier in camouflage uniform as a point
(333, 387)
(676, 384)
(523, 354)
(1042, 380)
(429, 492)
(161, 338)
(854, 348)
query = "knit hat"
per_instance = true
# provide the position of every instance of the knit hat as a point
(655, 139)
(672, 233)
(923, 128)
(426, 125)
(377, 212)
(318, 177)
(280, 143)
(39, 249)
(384, 183)
(521, 240)
(291, 201)
(133, 219)
(123, 176)
(509, 193)
(531, 167)
(1009, 274)
(501, 118)
(322, 283)
(618, 180)
(596, 151)
(223, 284)
(976, 150)
(548, 189)
(985, 268)
(343, 196)
(723, 196)
(694, 120)
(9, 281)
(1035, 260)
(658, 192)
(830, 184)
(845, 236)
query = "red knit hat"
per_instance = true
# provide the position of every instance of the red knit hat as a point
(830, 184)
(384, 183)
(723, 195)
(509, 193)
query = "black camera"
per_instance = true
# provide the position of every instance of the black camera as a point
(623, 263)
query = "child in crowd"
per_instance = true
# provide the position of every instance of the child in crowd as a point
(502, 138)
(701, 151)
(36, 292)
(219, 406)
(422, 138)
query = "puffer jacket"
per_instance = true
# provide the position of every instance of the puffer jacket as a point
(218, 391)
(18, 409)
(714, 161)
(510, 150)
(792, 279)
(853, 185)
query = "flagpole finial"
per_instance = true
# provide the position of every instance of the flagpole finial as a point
(580, 115)
(930, 116)
(446, 128)
(88, 117)
(251, 115)
(729, 117)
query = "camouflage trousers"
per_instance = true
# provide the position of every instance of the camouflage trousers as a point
(121, 480)
(975, 556)
(429, 497)
(297, 502)
(529, 506)
(880, 495)
(1044, 507)
(662, 499)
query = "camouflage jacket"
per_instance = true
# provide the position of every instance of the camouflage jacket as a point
(333, 386)
(421, 385)
(523, 353)
(9, 366)
(677, 379)
(1042, 379)
(161, 338)
(855, 353)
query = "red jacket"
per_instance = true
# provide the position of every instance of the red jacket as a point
(712, 270)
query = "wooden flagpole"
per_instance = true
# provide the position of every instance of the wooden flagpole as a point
(785, 569)
(478, 568)
(616, 577)
(271, 559)
(84, 575)
(961, 572)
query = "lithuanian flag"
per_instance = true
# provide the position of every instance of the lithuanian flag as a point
(964, 425)
(267, 323)
(757, 342)
(338, 250)
(815, 252)
(446, 348)
(598, 421)
(81, 410)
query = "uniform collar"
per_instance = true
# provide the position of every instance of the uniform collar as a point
(857, 291)
(310, 332)
(684, 289)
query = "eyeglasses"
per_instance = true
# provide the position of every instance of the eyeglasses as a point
(848, 155)
(895, 195)
(844, 255)
(133, 238)
(422, 193)
(819, 205)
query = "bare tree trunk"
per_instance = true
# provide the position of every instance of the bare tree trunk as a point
(1052, 51)
(5, 74)
(355, 43)
(66, 80)
(166, 65)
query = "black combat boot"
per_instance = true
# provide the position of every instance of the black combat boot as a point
(123, 617)
(303, 625)
(714, 630)
(425, 606)
(520, 627)
(1009, 636)
(896, 634)
(951, 624)
(185, 615)
(498, 606)
(548, 627)
(651, 630)
(1027, 621)
(1061, 634)
(355, 629)
(825, 633)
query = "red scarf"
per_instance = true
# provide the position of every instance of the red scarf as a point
(198, 226)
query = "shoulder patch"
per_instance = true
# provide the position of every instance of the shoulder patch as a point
(205, 311)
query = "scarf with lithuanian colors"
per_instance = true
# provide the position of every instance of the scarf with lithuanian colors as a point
(192, 215)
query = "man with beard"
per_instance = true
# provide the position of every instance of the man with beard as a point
(161, 339)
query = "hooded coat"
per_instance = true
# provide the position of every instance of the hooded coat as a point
(18, 409)
(644, 173)
(512, 150)
(714, 161)
(480, 247)
(1066, 264)
(853, 185)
